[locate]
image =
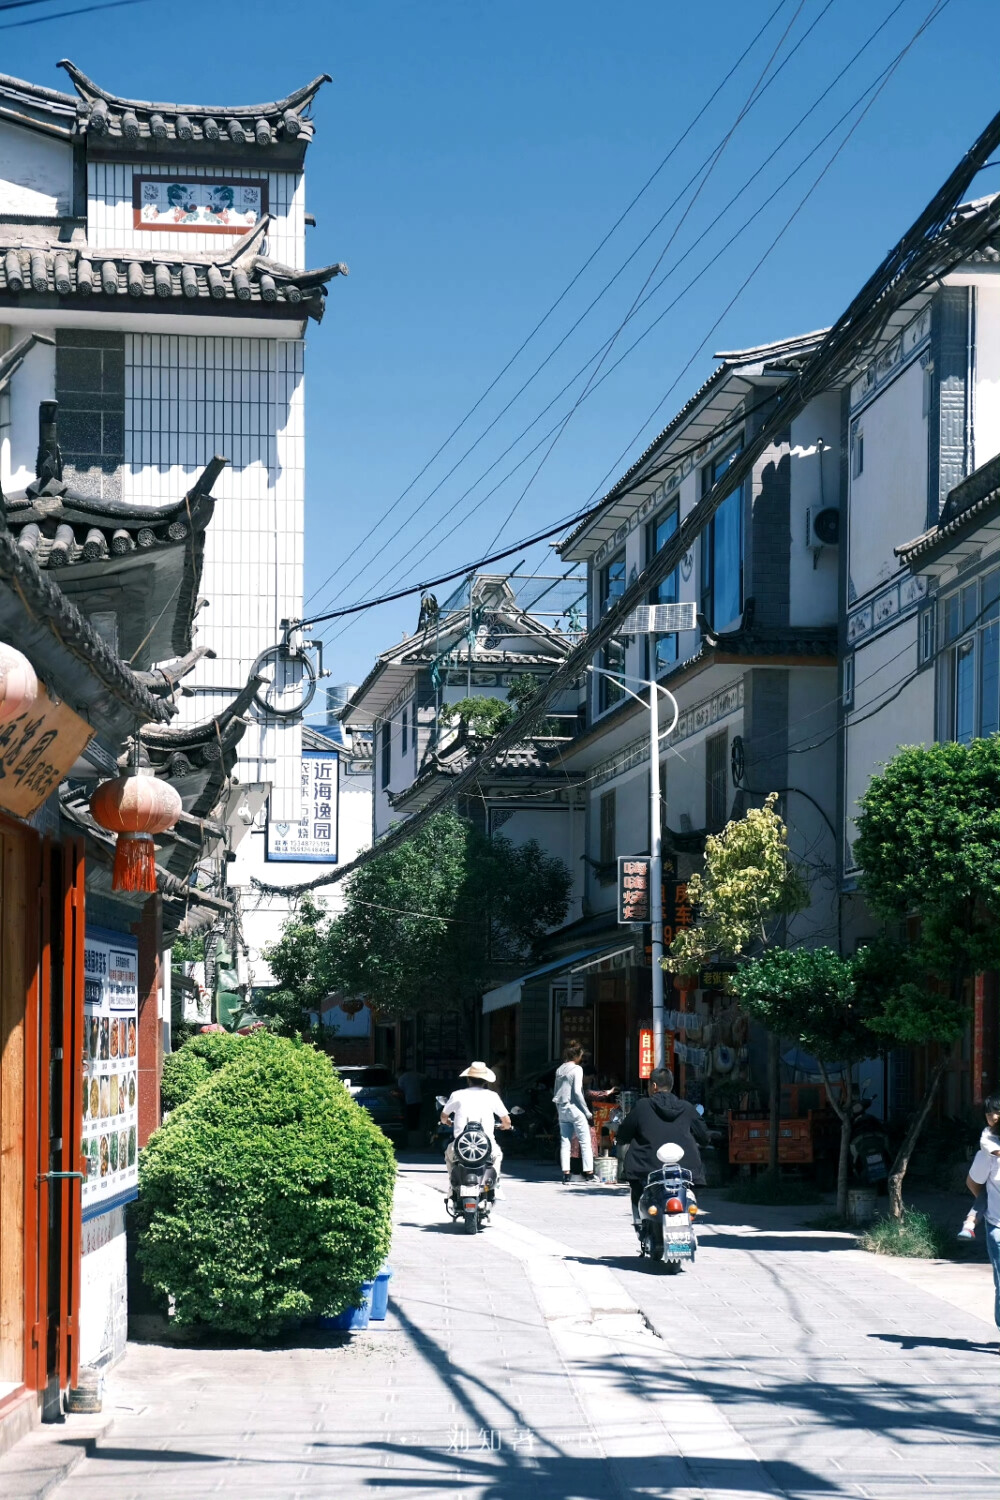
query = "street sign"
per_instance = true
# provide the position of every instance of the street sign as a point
(633, 889)
(645, 1051)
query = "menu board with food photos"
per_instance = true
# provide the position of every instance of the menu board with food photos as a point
(110, 1069)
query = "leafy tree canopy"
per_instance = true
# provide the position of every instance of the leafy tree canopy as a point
(929, 848)
(424, 924)
(481, 717)
(810, 994)
(296, 961)
(748, 882)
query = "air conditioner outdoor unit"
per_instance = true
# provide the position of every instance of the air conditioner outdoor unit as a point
(823, 527)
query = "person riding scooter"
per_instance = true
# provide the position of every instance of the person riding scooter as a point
(657, 1120)
(476, 1104)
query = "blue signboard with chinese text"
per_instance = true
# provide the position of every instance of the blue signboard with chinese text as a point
(313, 839)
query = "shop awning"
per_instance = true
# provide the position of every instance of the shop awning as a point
(510, 993)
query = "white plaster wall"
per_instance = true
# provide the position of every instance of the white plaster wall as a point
(888, 501)
(36, 173)
(110, 212)
(103, 1290)
(879, 668)
(987, 404)
(813, 705)
(558, 830)
(813, 577)
(35, 381)
(187, 399)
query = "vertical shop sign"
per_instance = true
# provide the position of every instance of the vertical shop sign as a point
(110, 1069)
(313, 839)
(645, 1052)
(633, 889)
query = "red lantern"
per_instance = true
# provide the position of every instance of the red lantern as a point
(18, 683)
(135, 807)
(351, 1007)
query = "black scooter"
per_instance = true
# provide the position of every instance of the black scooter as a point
(473, 1177)
(667, 1212)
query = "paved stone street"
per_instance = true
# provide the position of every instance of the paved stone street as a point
(543, 1359)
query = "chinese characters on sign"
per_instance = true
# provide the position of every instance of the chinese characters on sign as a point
(110, 1067)
(645, 1052)
(200, 205)
(314, 837)
(633, 889)
(37, 748)
(678, 912)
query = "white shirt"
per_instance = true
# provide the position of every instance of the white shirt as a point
(569, 1088)
(481, 1105)
(985, 1169)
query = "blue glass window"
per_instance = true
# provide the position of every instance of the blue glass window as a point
(611, 585)
(662, 650)
(722, 551)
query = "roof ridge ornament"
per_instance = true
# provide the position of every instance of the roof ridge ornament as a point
(293, 103)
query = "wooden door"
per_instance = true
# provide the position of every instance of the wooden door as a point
(18, 1098)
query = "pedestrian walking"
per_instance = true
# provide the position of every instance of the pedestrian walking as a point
(411, 1086)
(573, 1111)
(985, 1173)
(988, 1141)
(655, 1120)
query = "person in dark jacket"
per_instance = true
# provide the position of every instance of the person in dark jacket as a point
(655, 1120)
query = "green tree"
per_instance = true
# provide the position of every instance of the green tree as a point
(425, 924)
(748, 887)
(296, 961)
(928, 846)
(810, 994)
(482, 718)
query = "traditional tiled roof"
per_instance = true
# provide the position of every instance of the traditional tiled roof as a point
(150, 555)
(52, 275)
(967, 505)
(197, 758)
(527, 762)
(780, 357)
(114, 119)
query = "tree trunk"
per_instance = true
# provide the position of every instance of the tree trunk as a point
(843, 1111)
(902, 1161)
(774, 1090)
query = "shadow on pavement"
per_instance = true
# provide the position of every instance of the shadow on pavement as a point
(908, 1341)
(808, 1241)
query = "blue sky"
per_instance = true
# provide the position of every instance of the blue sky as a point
(469, 157)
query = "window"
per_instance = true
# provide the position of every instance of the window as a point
(722, 550)
(386, 754)
(609, 844)
(716, 780)
(403, 732)
(925, 649)
(969, 664)
(848, 682)
(661, 650)
(611, 583)
(857, 451)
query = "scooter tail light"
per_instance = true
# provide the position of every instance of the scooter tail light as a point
(674, 1206)
(693, 1209)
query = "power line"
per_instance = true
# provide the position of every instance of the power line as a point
(709, 264)
(923, 255)
(558, 301)
(60, 15)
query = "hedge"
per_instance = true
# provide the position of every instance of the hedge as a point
(267, 1195)
(191, 1065)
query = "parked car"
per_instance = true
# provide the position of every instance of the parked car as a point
(374, 1088)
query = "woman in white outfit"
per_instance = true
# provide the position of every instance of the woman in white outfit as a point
(574, 1115)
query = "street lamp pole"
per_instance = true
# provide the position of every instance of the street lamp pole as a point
(655, 841)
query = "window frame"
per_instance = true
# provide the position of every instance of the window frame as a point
(607, 846)
(716, 781)
(612, 656)
(968, 648)
(654, 667)
(708, 575)
(385, 749)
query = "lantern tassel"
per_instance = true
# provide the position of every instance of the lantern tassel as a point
(135, 863)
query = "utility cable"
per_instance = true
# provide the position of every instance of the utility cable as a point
(708, 266)
(558, 301)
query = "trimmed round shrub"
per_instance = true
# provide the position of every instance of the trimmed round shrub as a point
(192, 1064)
(267, 1196)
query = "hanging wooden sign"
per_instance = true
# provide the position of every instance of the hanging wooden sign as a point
(37, 748)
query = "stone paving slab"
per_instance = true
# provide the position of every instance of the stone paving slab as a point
(544, 1359)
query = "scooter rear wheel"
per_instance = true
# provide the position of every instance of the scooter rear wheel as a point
(654, 1242)
(471, 1220)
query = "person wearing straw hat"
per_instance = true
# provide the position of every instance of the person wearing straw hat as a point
(477, 1104)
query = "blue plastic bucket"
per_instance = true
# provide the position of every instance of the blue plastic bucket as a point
(352, 1319)
(380, 1295)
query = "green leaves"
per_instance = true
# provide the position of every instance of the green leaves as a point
(748, 881)
(810, 994)
(929, 847)
(268, 1193)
